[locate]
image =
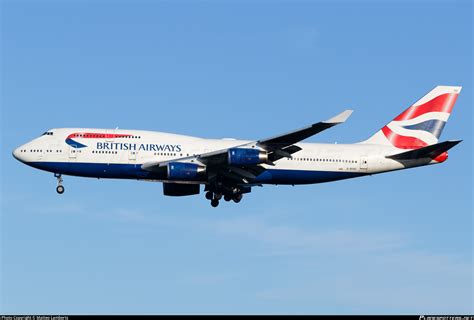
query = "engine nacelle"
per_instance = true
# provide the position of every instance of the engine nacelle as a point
(185, 171)
(241, 156)
(178, 190)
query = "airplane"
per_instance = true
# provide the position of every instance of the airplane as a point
(229, 168)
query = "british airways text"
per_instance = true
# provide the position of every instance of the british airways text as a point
(138, 147)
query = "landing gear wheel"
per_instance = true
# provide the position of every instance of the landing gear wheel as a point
(214, 203)
(237, 197)
(60, 189)
(209, 195)
(218, 196)
(227, 198)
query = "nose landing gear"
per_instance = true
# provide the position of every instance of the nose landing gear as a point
(59, 188)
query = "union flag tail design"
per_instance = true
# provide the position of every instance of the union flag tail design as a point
(421, 124)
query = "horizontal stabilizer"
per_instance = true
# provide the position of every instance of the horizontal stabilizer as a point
(431, 151)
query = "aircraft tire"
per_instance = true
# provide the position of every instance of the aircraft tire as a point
(214, 203)
(237, 197)
(60, 189)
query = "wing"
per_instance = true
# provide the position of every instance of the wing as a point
(284, 140)
(277, 147)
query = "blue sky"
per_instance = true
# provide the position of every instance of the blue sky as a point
(394, 243)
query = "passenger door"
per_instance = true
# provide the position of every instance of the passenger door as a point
(41, 154)
(72, 154)
(364, 163)
(132, 156)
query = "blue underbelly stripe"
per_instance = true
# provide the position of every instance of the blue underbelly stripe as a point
(282, 176)
(134, 171)
(94, 170)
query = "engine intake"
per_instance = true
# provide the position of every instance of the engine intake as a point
(184, 171)
(240, 156)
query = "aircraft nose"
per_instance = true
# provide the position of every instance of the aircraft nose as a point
(17, 154)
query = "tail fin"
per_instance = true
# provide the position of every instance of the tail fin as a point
(421, 124)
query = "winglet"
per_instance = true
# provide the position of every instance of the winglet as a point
(341, 117)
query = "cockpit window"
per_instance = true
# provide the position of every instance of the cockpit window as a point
(47, 133)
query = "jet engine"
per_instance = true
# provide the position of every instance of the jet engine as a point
(185, 171)
(241, 156)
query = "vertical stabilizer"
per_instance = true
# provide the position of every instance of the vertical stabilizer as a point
(421, 124)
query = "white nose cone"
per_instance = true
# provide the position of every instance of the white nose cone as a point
(17, 154)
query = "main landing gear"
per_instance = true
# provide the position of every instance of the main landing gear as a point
(59, 188)
(215, 197)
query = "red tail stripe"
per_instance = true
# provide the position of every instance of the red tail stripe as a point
(97, 135)
(442, 103)
(403, 142)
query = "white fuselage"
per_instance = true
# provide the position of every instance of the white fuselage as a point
(109, 153)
